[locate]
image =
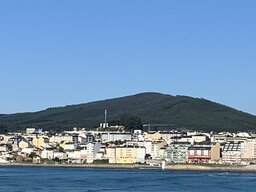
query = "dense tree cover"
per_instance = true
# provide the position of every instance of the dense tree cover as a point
(145, 108)
(131, 122)
(3, 129)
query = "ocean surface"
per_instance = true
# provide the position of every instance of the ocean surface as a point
(28, 179)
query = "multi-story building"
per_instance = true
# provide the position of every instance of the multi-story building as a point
(215, 153)
(177, 152)
(115, 136)
(199, 154)
(155, 148)
(126, 154)
(111, 154)
(232, 153)
(248, 150)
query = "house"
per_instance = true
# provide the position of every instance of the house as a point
(153, 136)
(60, 155)
(47, 153)
(77, 156)
(15, 140)
(5, 147)
(75, 138)
(27, 150)
(87, 138)
(182, 139)
(221, 137)
(60, 137)
(23, 144)
(168, 135)
(33, 130)
(40, 142)
(199, 138)
(36, 159)
(69, 146)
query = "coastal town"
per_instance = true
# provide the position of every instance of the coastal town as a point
(80, 146)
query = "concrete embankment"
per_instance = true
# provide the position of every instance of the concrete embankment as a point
(118, 166)
(212, 167)
(248, 168)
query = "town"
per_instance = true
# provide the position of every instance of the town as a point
(81, 146)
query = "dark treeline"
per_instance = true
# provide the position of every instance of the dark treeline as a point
(134, 111)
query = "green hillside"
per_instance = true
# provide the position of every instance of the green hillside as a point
(153, 108)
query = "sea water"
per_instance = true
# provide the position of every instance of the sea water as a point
(56, 179)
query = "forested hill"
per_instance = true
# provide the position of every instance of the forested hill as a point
(153, 108)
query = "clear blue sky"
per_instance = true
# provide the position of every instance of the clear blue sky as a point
(54, 53)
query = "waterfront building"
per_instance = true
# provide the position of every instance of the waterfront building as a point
(77, 156)
(47, 153)
(111, 154)
(215, 153)
(248, 151)
(36, 159)
(199, 154)
(126, 154)
(155, 149)
(177, 152)
(60, 155)
(162, 152)
(232, 153)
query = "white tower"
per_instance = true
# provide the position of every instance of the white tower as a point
(105, 123)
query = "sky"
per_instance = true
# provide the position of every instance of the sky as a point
(56, 53)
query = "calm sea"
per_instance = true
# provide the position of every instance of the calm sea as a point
(28, 179)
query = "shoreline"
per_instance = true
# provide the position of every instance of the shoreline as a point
(186, 167)
(176, 167)
(108, 166)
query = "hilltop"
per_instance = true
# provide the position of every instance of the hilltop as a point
(153, 108)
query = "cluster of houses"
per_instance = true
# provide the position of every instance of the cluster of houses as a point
(118, 147)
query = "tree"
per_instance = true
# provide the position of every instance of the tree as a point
(131, 122)
(148, 156)
(56, 160)
(32, 155)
